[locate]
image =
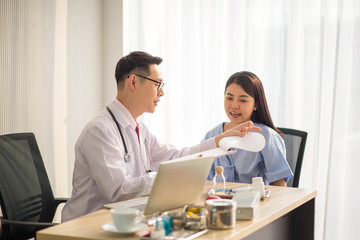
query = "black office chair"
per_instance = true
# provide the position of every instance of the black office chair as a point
(295, 141)
(26, 198)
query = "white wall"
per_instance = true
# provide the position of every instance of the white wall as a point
(112, 34)
(84, 69)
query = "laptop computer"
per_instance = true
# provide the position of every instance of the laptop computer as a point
(178, 182)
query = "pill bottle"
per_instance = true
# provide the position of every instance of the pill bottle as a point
(159, 231)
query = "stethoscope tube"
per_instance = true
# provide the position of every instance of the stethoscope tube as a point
(126, 157)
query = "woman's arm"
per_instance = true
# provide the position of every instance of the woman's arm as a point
(280, 182)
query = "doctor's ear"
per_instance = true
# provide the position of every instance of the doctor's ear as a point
(131, 81)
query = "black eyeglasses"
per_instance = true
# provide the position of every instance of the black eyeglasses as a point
(160, 86)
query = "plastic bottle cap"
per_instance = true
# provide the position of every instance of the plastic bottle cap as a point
(219, 169)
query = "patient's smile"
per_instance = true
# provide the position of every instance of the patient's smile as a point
(235, 115)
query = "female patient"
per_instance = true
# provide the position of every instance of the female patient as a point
(245, 100)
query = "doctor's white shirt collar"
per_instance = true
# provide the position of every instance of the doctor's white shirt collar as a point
(129, 120)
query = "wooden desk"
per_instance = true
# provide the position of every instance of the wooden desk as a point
(289, 210)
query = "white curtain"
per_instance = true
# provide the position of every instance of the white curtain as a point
(52, 81)
(307, 54)
(51, 76)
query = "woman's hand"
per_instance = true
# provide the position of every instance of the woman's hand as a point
(240, 130)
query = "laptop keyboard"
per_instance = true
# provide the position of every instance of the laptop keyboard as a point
(140, 207)
(139, 203)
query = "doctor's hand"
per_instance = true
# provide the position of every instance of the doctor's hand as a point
(152, 176)
(240, 130)
(149, 178)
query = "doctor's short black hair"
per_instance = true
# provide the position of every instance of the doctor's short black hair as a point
(136, 62)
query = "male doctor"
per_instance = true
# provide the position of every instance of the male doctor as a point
(116, 156)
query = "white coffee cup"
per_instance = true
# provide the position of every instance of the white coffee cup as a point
(125, 219)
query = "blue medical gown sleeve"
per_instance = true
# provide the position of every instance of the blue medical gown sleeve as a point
(270, 163)
(274, 157)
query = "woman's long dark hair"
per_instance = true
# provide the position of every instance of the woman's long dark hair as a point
(253, 86)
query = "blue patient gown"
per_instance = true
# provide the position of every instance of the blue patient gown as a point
(270, 163)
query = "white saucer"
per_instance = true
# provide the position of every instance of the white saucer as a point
(110, 227)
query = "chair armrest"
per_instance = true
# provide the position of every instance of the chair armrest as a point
(24, 223)
(60, 200)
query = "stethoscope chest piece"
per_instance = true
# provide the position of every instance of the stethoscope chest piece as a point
(127, 157)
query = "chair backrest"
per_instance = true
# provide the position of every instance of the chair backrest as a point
(25, 190)
(295, 141)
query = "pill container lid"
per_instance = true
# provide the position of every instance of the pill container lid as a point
(220, 204)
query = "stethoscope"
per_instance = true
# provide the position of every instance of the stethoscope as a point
(127, 155)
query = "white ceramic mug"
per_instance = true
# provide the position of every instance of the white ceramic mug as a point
(125, 219)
